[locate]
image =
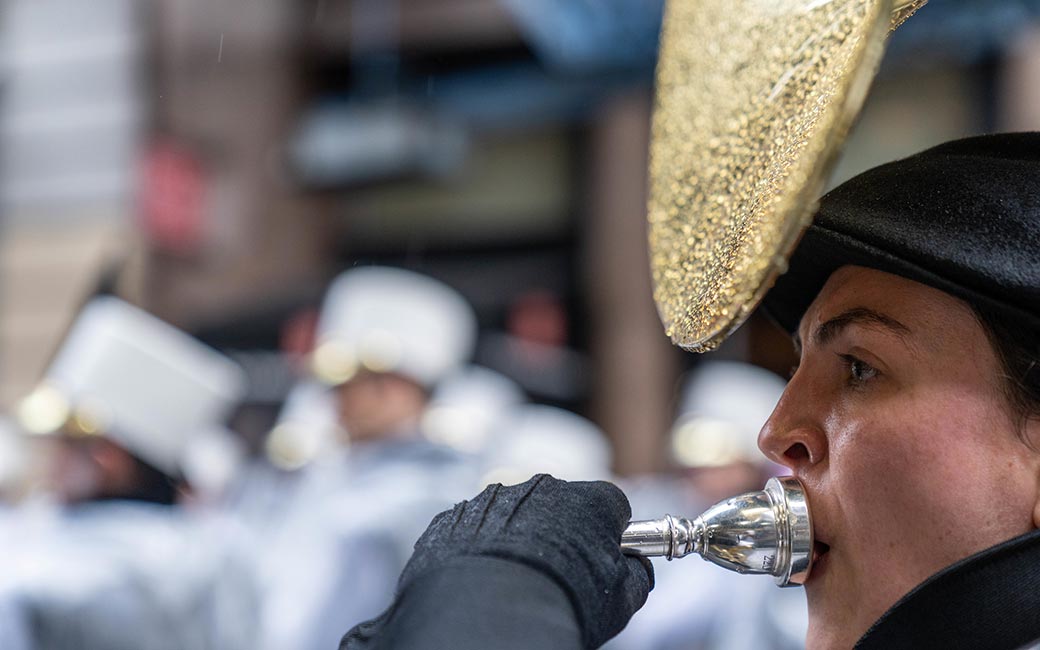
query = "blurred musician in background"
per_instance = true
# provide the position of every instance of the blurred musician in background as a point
(117, 563)
(385, 338)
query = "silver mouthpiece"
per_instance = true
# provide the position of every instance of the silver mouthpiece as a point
(769, 531)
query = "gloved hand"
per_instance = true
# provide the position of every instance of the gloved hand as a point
(570, 532)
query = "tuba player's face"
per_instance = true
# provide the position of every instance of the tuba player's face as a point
(897, 423)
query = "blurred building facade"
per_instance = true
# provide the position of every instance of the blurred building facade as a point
(218, 161)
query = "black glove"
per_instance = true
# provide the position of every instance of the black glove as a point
(570, 532)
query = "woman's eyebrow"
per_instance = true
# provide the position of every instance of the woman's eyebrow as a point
(830, 328)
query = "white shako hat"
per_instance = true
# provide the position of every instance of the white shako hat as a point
(723, 407)
(545, 439)
(126, 375)
(467, 407)
(390, 320)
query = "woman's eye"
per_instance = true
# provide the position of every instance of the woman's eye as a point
(859, 371)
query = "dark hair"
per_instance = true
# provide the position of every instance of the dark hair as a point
(154, 485)
(1017, 343)
(149, 484)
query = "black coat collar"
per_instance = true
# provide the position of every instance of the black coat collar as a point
(990, 600)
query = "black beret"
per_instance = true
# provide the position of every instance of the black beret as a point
(963, 217)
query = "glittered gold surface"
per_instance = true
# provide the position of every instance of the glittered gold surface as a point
(903, 9)
(754, 98)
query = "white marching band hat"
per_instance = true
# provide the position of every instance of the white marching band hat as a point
(126, 375)
(723, 406)
(537, 439)
(467, 407)
(390, 320)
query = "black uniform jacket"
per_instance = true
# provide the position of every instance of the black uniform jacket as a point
(989, 601)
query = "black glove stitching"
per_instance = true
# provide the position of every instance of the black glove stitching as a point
(520, 502)
(490, 501)
(458, 511)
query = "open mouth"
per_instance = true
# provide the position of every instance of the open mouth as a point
(820, 550)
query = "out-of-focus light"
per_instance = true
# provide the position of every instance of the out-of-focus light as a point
(44, 410)
(334, 363)
(707, 442)
(289, 448)
(83, 424)
(89, 417)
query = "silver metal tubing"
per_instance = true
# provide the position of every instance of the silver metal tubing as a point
(769, 531)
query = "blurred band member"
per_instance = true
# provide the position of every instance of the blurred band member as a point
(123, 403)
(118, 565)
(385, 338)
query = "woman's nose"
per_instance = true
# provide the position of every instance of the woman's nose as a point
(791, 436)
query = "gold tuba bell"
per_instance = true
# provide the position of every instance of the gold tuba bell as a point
(753, 101)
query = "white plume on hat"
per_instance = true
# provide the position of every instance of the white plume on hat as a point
(133, 378)
(14, 457)
(307, 425)
(467, 407)
(724, 405)
(538, 438)
(213, 460)
(390, 320)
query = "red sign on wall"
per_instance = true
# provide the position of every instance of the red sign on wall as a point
(172, 197)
